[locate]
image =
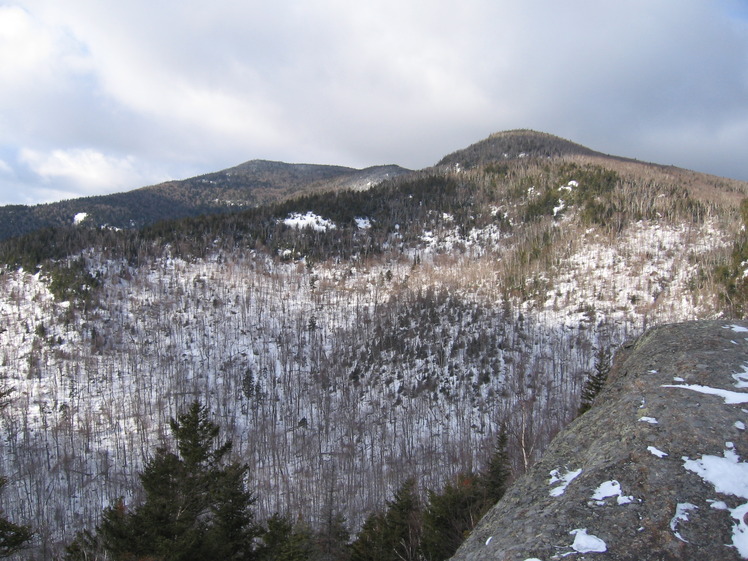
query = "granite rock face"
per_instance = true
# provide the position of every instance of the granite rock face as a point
(656, 470)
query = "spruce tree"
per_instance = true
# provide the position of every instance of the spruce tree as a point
(394, 535)
(372, 542)
(403, 521)
(284, 541)
(495, 479)
(195, 508)
(331, 541)
(450, 515)
(597, 379)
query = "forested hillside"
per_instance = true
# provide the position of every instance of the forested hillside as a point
(348, 343)
(247, 185)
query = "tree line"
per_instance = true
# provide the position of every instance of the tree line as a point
(195, 505)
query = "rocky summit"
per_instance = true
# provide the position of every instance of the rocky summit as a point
(655, 470)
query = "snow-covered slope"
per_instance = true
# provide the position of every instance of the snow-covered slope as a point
(339, 378)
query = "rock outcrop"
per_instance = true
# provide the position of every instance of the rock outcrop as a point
(656, 470)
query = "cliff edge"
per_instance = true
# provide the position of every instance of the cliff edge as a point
(656, 470)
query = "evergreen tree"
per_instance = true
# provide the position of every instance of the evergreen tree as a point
(497, 475)
(394, 535)
(195, 508)
(597, 379)
(85, 547)
(284, 541)
(372, 542)
(450, 515)
(331, 541)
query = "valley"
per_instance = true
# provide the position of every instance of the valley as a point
(349, 340)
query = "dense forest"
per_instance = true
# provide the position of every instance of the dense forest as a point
(379, 363)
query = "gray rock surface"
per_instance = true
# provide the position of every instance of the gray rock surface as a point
(656, 470)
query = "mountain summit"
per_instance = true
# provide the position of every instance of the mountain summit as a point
(521, 143)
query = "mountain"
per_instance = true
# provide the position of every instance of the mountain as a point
(253, 183)
(349, 340)
(666, 480)
(515, 144)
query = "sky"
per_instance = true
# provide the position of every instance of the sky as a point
(98, 96)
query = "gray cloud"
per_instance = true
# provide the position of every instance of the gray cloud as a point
(99, 97)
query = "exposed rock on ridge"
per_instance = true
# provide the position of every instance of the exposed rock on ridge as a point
(656, 470)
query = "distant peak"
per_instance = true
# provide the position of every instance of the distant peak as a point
(513, 144)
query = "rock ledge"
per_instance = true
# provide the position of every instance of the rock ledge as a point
(656, 470)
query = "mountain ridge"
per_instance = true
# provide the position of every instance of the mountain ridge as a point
(246, 185)
(259, 182)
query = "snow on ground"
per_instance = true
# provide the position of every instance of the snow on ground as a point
(587, 543)
(363, 223)
(681, 515)
(741, 378)
(80, 217)
(99, 389)
(309, 220)
(634, 271)
(608, 489)
(562, 479)
(656, 451)
(730, 397)
(729, 476)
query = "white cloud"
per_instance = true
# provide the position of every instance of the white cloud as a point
(27, 51)
(381, 82)
(89, 169)
(36, 60)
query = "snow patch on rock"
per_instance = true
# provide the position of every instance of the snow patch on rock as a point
(609, 489)
(562, 479)
(587, 543)
(729, 476)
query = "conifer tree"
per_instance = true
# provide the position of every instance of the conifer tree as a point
(497, 475)
(331, 540)
(453, 513)
(596, 381)
(394, 535)
(195, 508)
(284, 541)
(450, 515)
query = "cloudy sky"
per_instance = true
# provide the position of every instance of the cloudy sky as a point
(98, 96)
